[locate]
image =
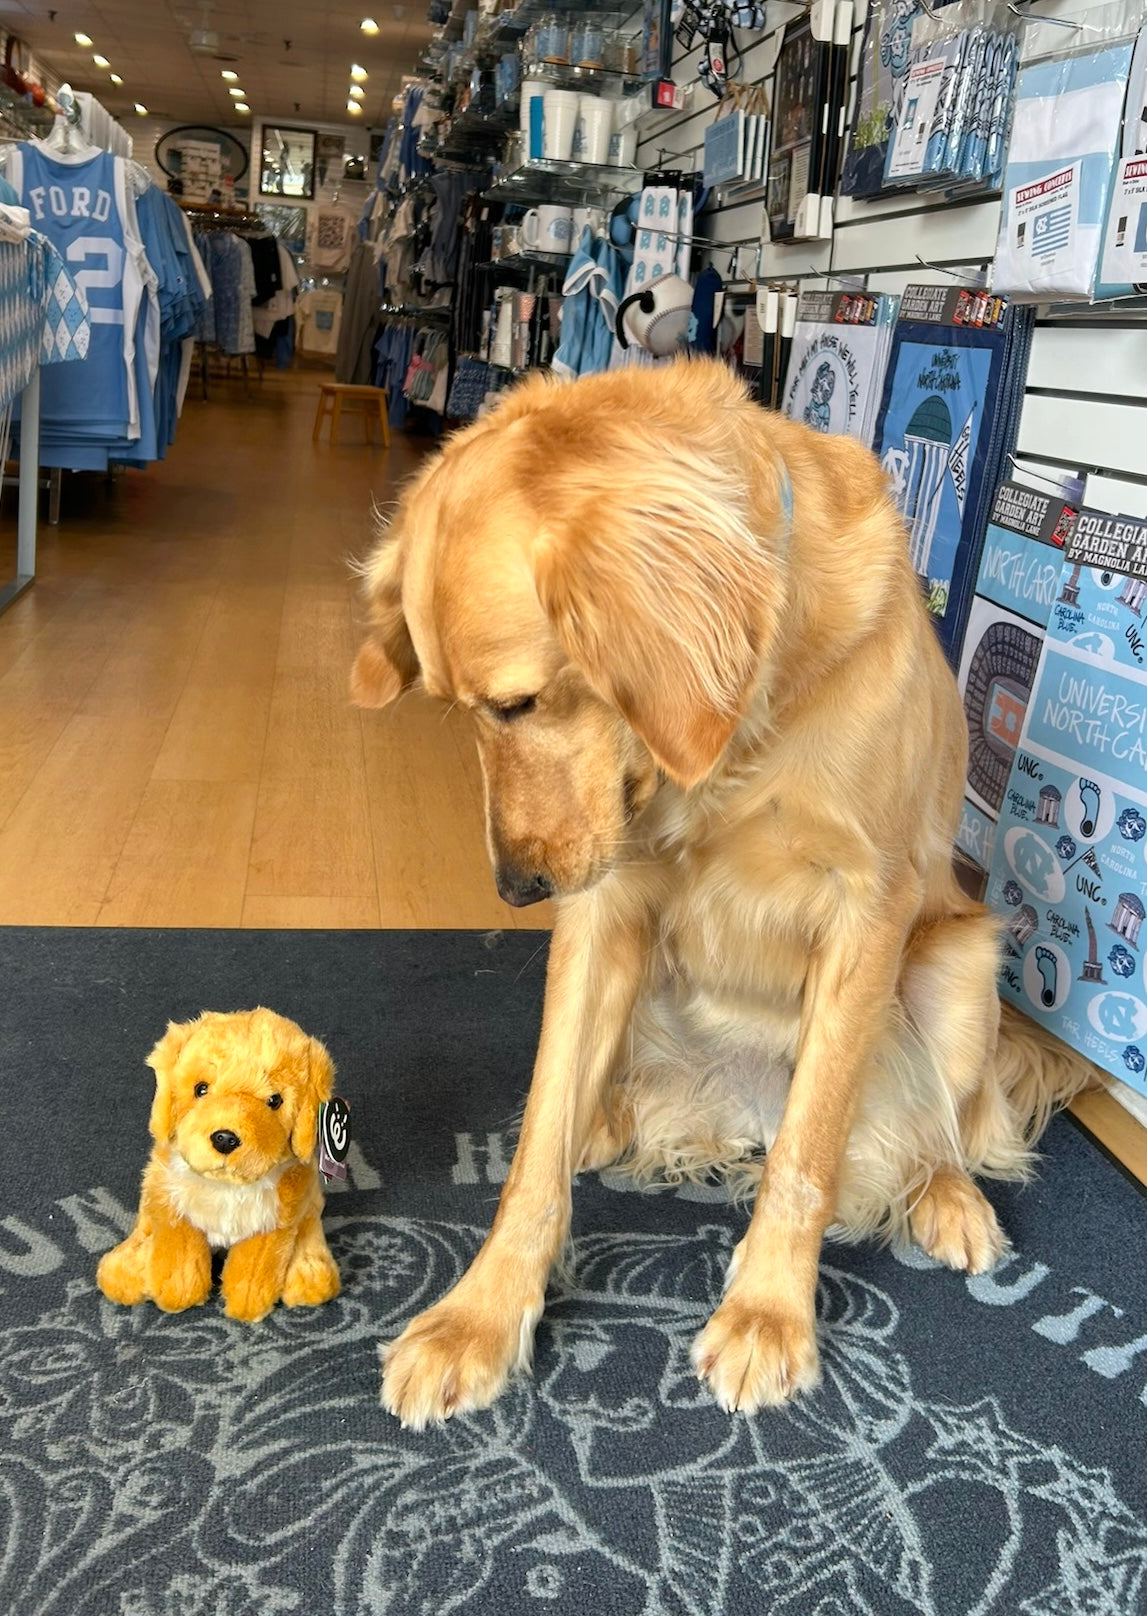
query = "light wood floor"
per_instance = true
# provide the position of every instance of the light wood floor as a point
(176, 745)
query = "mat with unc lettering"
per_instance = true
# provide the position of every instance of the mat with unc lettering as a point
(977, 1446)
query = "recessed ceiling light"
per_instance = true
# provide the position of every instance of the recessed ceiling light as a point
(82, 39)
(115, 78)
(239, 95)
(141, 109)
(229, 74)
(353, 106)
(356, 92)
(358, 74)
(101, 61)
(368, 25)
(241, 106)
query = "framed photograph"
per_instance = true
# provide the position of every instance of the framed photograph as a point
(287, 165)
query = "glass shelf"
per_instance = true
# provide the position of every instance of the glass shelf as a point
(528, 262)
(565, 77)
(543, 180)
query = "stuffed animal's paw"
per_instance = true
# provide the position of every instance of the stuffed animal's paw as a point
(187, 1286)
(253, 1276)
(121, 1276)
(311, 1280)
(178, 1268)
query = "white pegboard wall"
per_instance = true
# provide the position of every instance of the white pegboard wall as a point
(1086, 403)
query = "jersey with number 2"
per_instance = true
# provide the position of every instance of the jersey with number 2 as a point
(80, 203)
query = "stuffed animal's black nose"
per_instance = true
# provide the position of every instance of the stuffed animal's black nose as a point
(225, 1141)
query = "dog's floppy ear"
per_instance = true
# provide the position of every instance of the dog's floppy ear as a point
(659, 594)
(162, 1062)
(386, 663)
(319, 1087)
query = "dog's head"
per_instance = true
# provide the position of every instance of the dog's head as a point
(587, 570)
(236, 1094)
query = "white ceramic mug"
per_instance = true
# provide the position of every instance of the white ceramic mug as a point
(594, 217)
(547, 229)
(594, 128)
(623, 146)
(559, 123)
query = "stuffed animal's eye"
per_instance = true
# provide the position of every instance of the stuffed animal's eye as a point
(200, 1090)
(275, 1101)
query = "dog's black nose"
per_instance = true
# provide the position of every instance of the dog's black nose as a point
(521, 888)
(225, 1141)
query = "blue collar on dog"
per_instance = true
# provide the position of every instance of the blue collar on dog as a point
(786, 494)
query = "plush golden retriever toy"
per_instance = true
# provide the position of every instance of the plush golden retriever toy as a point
(235, 1124)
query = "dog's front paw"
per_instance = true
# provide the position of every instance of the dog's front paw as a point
(454, 1358)
(753, 1354)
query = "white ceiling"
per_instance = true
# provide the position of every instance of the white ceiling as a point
(147, 43)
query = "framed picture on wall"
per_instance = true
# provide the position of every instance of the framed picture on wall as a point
(288, 162)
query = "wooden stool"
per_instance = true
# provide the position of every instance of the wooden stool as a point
(332, 396)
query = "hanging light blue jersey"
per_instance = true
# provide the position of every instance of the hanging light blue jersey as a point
(79, 201)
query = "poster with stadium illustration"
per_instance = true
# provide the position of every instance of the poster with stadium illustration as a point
(1069, 868)
(1016, 586)
(929, 435)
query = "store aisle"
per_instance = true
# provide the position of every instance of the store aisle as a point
(176, 743)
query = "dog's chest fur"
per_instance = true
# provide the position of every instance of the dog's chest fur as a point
(226, 1213)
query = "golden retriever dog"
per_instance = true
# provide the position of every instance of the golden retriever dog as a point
(715, 724)
(234, 1124)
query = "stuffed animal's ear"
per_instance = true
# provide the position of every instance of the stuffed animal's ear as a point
(660, 595)
(162, 1062)
(386, 663)
(319, 1087)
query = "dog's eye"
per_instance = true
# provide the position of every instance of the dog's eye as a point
(517, 709)
(200, 1090)
(275, 1101)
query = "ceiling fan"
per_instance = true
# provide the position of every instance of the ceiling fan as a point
(219, 46)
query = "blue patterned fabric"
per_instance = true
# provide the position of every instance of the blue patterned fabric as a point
(21, 316)
(43, 313)
(975, 1448)
(67, 320)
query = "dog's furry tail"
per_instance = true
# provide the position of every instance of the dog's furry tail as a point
(1036, 1076)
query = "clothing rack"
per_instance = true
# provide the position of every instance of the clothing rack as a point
(208, 216)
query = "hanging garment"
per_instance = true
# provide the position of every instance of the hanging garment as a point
(43, 313)
(318, 316)
(281, 305)
(440, 262)
(358, 330)
(265, 263)
(393, 349)
(82, 203)
(332, 239)
(591, 294)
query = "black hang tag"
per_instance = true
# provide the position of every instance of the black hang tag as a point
(334, 1138)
